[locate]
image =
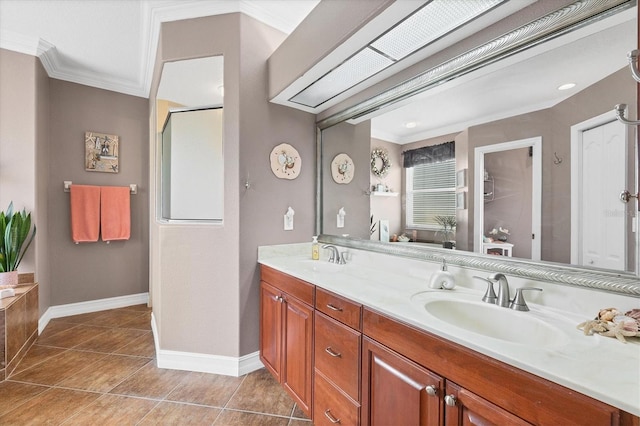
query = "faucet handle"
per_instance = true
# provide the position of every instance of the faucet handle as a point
(518, 303)
(333, 250)
(489, 295)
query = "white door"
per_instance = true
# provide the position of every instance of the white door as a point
(603, 171)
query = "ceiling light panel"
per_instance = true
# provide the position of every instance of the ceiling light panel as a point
(363, 64)
(428, 24)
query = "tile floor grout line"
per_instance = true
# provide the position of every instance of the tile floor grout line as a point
(16, 371)
(139, 336)
(235, 391)
(148, 412)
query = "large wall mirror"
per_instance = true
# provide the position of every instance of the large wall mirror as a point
(542, 162)
(190, 141)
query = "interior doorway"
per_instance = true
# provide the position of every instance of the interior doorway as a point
(508, 181)
(598, 218)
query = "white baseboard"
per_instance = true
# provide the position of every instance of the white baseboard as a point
(61, 311)
(204, 363)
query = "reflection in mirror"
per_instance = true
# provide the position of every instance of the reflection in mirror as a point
(513, 99)
(192, 165)
(191, 180)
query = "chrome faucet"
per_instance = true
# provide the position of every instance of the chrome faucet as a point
(335, 257)
(503, 289)
(502, 299)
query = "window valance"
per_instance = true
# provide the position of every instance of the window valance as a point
(429, 154)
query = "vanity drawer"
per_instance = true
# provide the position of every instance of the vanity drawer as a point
(337, 354)
(330, 406)
(290, 285)
(339, 308)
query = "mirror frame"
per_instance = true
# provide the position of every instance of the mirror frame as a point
(562, 21)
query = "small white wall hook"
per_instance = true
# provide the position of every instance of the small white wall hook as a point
(557, 160)
(340, 218)
(288, 219)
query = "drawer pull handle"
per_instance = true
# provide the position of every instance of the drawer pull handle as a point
(328, 415)
(431, 390)
(450, 400)
(333, 308)
(332, 352)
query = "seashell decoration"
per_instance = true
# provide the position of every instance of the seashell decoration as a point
(610, 322)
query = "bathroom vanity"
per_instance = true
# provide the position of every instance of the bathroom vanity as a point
(357, 344)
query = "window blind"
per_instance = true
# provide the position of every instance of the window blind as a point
(431, 192)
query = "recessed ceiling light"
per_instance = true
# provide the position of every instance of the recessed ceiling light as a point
(410, 124)
(567, 86)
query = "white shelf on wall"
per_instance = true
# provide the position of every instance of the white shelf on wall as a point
(384, 194)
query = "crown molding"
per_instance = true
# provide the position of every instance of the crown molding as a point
(151, 18)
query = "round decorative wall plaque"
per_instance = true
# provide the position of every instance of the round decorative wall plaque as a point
(342, 168)
(285, 161)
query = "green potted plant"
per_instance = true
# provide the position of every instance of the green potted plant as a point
(15, 231)
(448, 224)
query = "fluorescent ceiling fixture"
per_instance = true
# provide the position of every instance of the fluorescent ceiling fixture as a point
(431, 22)
(348, 74)
(567, 86)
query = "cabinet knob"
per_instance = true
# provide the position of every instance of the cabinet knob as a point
(332, 352)
(279, 299)
(328, 415)
(450, 400)
(333, 308)
(431, 390)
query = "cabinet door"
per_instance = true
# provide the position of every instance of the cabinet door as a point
(463, 407)
(271, 329)
(397, 391)
(298, 351)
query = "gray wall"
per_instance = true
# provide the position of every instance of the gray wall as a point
(42, 125)
(24, 145)
(388, 207)
(510, 208)
(354, 140)
(554, 125)
(211, 288)
(90, 271)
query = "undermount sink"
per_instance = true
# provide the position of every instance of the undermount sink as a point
(322, 266)
(494, 321)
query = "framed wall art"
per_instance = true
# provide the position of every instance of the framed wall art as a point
(101, 152)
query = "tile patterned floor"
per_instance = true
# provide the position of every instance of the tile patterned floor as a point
(100, 369)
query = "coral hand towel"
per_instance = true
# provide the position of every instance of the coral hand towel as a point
(85, 213)
(115, 210)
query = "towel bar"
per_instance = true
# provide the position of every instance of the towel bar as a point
(132, 187)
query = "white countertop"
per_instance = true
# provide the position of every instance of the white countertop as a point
(600, 367)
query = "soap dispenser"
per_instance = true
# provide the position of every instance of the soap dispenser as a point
(443, 278)
(315, 249)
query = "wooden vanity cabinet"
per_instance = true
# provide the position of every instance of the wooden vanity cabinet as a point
(367, 368)
(286, 333)
(338, 347)
(398, 391)
(463, 407)
(485, 388)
